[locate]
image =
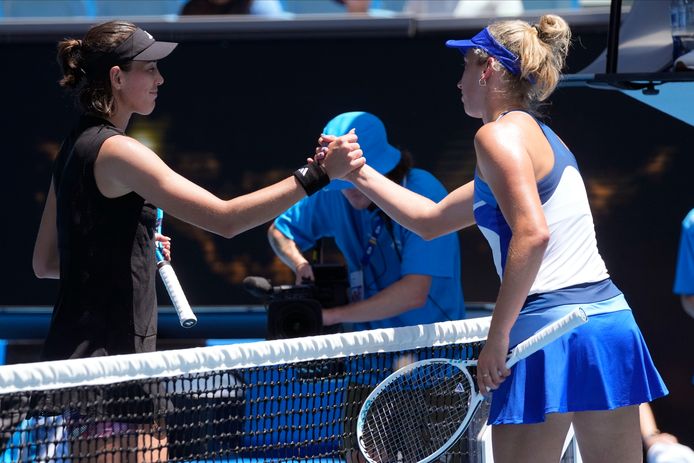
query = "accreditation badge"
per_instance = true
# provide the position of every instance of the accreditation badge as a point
(356, 286)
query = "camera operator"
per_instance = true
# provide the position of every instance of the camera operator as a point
(396, 278)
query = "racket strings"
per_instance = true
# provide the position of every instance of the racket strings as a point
(426, 406)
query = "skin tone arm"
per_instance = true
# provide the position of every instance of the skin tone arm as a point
(289, 253)
(507, 167)
(422, 215)
(46, 260)
(405, 294)
(688, 303)
(124, 165)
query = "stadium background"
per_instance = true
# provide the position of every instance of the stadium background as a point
(239, 110)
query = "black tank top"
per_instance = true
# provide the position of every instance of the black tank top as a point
(107, 299)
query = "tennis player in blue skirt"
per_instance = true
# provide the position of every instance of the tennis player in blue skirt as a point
(529, 200)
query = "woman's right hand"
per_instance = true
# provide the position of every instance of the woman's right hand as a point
(491, 364)
(343, 154)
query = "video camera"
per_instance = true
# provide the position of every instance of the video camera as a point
(295, 310)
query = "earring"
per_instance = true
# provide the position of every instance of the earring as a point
(482, 82)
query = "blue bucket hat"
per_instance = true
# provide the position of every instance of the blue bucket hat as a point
(373, 141)
(484, 40)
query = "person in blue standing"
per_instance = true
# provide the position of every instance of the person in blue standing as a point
(684, 274)
(396, 277)
(529, 200)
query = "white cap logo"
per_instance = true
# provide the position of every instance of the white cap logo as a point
(149, 35)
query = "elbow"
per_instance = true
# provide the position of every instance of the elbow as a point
(431, 226)
(539, 239)
(39, 271)
(224, 219)
(429, 234)
(419, 286)
(229, 232)
(229, 228)
(688, 304)
(43, 269)
(419, 299)
(428, 230)
(272, 234)
(533, 240)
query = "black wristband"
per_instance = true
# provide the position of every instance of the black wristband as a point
(312, 177)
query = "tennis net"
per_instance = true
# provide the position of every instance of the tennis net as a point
(281, 400)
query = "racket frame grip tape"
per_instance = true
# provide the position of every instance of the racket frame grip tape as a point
(185, 314)
(553, 331)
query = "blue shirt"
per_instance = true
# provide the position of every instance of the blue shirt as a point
(400, 253)
(684, 274)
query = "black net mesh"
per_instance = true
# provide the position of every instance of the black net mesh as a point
(275, 411)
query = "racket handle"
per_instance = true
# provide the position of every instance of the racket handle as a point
(178, 298)
(551, 332)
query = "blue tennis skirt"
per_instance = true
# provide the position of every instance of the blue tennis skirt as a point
(601, 365)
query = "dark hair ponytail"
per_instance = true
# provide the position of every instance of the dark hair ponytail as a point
(70, 60)
(82, 69)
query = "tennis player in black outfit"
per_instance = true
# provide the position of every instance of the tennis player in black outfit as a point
(97, 230)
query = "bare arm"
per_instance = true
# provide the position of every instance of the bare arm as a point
(508, 169)
(413, 211)
(125, 165)
(46, 260)
(688, 303)
(407, 293)
(289, 253)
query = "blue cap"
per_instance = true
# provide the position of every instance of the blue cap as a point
(373, 141)
(486, 41)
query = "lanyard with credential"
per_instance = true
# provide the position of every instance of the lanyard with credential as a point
(373, 240)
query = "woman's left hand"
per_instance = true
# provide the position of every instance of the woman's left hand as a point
(491, 365)
(319, 157)
(165, 245)
(343, 154)
(322, 148)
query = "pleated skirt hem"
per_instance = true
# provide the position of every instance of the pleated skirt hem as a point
(601, 365)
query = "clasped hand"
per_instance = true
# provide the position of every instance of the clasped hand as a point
(339, 156)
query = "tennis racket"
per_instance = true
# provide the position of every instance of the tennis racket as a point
(173, 287)
(420, 410)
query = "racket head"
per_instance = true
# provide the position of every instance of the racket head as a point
(418, 412)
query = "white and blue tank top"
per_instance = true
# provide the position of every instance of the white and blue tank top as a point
(572, 270)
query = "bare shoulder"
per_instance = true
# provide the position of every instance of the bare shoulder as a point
(501, 136)
(119, 144)
(122, 148)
